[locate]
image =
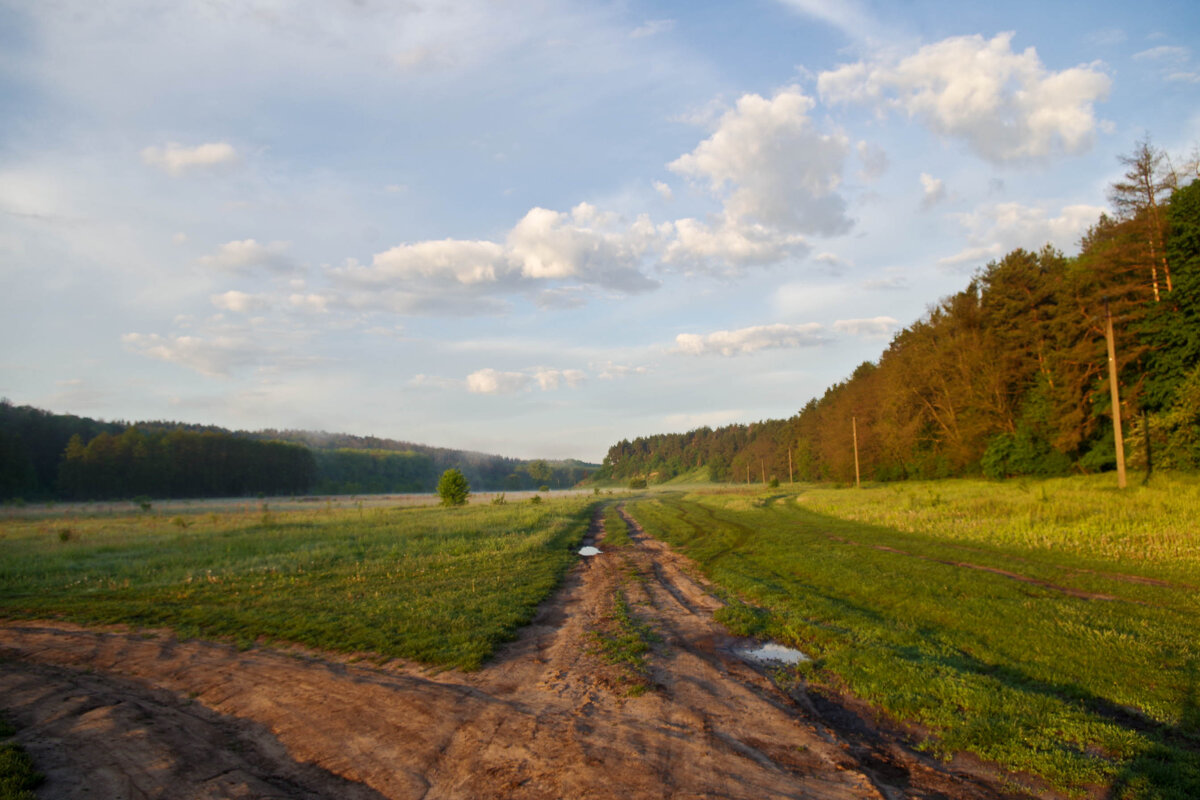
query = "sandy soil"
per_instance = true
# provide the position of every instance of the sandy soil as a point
(119, 714)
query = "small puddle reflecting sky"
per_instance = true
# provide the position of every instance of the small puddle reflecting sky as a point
(589, 551)
(772, 653)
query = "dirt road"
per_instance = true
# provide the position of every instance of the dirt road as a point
(119, 714)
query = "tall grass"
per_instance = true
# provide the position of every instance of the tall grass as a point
(443, 586)
(972, 610)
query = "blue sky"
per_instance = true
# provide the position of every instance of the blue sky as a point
(535, 228)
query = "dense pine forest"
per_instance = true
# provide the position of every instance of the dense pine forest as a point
(45, 455)
(1010, 375)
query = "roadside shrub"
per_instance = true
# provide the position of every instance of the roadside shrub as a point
(637, 483)
(499, 500)
(536, 499)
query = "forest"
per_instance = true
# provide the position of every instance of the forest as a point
(60, 456)
(1009, 376)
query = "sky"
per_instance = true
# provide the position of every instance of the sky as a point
(536, 228)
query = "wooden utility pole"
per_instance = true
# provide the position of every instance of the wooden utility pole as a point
(854, 428)
(762, 467)
(1116, 398)
(790, 478)
(747, 473)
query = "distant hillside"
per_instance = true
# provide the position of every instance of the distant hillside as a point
(47, 455)
(1009, 376)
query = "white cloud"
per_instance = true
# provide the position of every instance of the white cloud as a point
(490, 381)
(664, 191)
(248, 253)
(933, 190)
(711, 419)
(422, 381)
(1184, 77)
(179, 238)
(997, 229)
(729, 246)
(872, 328)
(1007, 106)
(771, 166)
(587, 245)
(215, 356)
(583, 247)
(1163, 53)
(238, 302)
(750, 340)
(549, 379)
(446, 260)
(176, 160)
(652, 27)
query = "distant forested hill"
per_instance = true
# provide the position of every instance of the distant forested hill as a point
(1010, 375)
(45, 455)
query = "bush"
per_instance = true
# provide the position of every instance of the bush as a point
(637, 483)
(536, 499)
(453, 488)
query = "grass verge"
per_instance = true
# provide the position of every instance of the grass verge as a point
(443, 586)
(1030, 642)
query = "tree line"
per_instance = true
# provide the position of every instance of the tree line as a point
(45, 455)
(1008, 376)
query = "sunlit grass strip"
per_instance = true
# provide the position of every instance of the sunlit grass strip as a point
(444, 586)
(1078, 691)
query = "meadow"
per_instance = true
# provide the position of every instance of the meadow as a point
(443, 586)
(1049, 627)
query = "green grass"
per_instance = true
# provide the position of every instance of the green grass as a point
(1080, 692)
(616, 532)
(18, 778)
(444, 586)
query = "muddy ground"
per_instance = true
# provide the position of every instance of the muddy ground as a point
(133, 714)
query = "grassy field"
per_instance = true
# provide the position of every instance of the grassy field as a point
(1051, 627)
(443, 586)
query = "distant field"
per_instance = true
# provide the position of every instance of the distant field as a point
(443, 586)
(1052, 627)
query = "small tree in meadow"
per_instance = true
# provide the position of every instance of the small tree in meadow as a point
(453, 488)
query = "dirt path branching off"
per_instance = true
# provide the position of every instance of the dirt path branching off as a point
(120, 714)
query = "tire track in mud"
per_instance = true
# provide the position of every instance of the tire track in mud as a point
(542, 720)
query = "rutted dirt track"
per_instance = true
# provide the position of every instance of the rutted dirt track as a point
(108, 713)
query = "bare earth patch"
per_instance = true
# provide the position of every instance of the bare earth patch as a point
(120, 714)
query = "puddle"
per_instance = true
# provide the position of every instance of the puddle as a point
(589, 551)
(771, 653)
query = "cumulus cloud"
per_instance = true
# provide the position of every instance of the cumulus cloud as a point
(241, 256)
(238, 302)
(176, 159)
(215, 356)
(664, 191)
(491, 381)
(997, 229)
(872, 328)
(583, 247)
(750, 340)
(728, 246)
(446, 261)
(772, 166)
(586, 245)
(933, 190)
(1006, 105)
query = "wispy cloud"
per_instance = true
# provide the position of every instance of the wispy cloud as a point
(176, 159)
